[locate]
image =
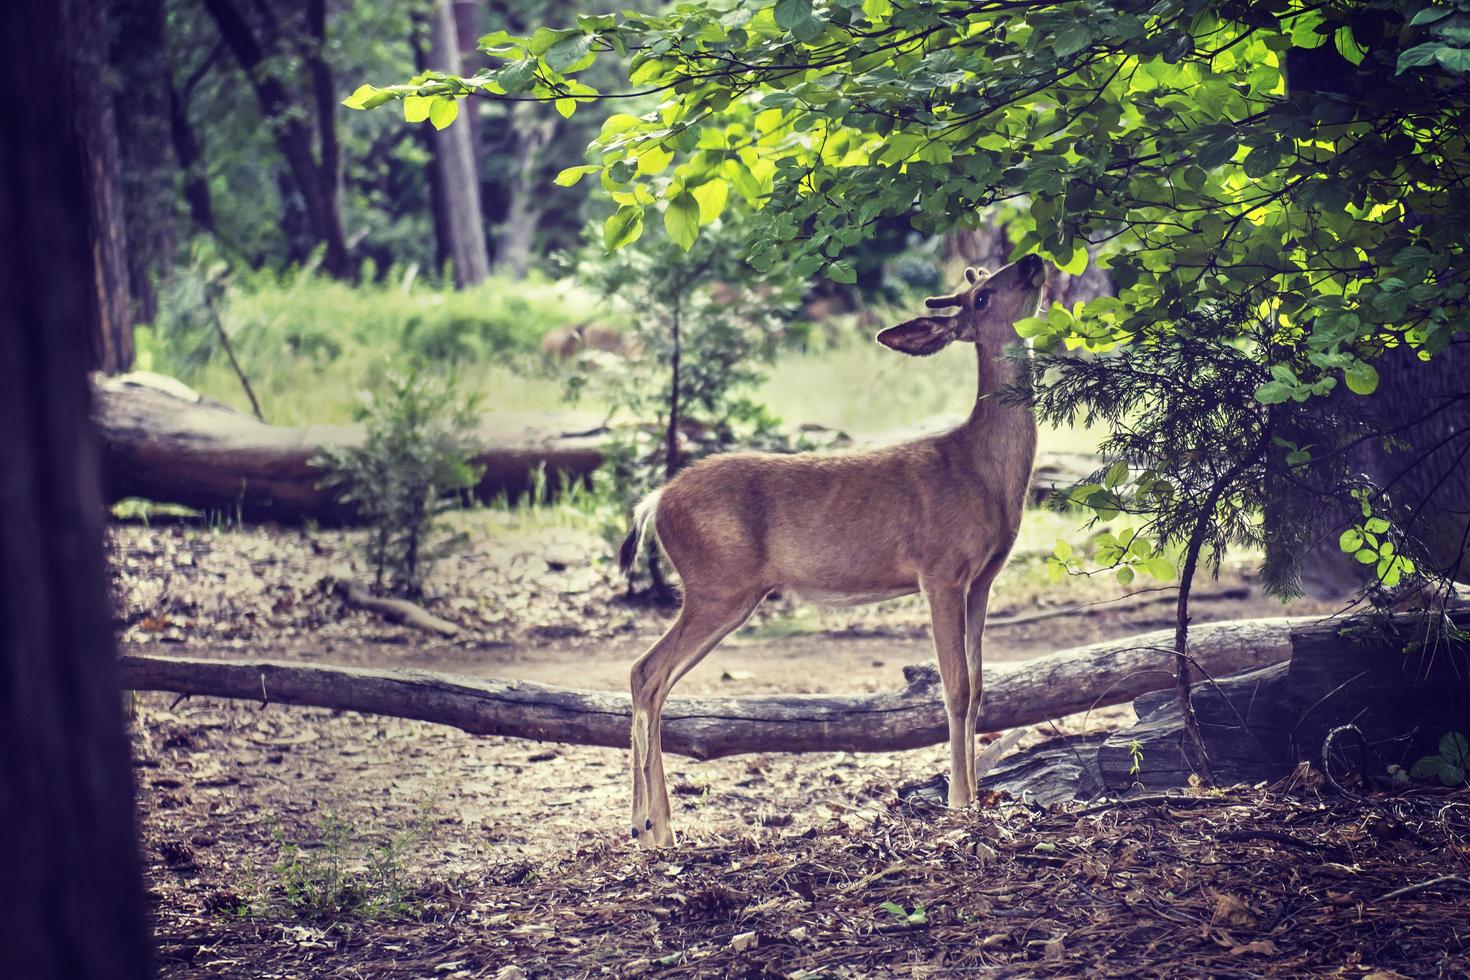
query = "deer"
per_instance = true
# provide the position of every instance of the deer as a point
(936, 515)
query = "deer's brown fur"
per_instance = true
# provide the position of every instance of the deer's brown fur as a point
(937, 515)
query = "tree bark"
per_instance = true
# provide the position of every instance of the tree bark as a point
(70, 874)
(143, 129)
(317, 181)
(111, 344)
(458, 219)
(712, 727)
(1400, 686)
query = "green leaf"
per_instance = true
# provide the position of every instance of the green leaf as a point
(416, 108)
(622, 227)
(568, 52)
(1116, 474)
(653, 159)
(1071, 39)
(795, 16)
(1361, 378)
(712, 196)
(1348, 47)
(1350, 541)
(1455, 748)
(895, 909)
(1376, 525)
(1451, 775)
(1077, 264)
(443, 111)
(571, 175)
(1367, 556)
(1125, 575)
(1427, 767)
(681, 219)
(842, 272)
(359, 98)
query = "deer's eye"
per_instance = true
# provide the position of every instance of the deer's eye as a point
(982, 300)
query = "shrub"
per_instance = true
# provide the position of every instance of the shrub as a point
(413, 458)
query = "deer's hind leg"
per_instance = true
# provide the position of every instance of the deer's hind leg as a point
(703, 622)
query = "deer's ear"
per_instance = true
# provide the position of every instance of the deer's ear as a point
(920, 337)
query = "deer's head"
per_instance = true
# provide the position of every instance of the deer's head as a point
(989, 304)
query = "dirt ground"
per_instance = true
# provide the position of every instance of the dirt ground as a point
(285, 842)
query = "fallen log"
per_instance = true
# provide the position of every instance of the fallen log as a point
(163, 442)
(711, 727)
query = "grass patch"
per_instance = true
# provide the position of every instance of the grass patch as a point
(334, 873)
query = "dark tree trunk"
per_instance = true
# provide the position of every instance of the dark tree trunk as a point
(1422, 460)
(190, 157)
(455, 189)
(111, 345)
(318, 182)
(142, 110)
(74, 898)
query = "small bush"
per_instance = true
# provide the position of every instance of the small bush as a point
(335, 875)
(414, 457)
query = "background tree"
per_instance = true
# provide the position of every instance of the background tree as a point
(65, 778)
(111, 344)
(455, 184)
(269, 51)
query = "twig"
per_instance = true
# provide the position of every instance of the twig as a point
(1431, 883)
(1275, 835)
(1186, 801)
(393, 610)
(995, 621)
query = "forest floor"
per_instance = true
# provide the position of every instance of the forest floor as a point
(296, 842)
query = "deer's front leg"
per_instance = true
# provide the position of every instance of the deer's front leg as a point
(947, 613)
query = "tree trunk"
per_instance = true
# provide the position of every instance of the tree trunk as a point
(458, 220)
(318, 182)
(518, 233)
(712, 727)
(70, 874)
(143, 124)
(111, 344)
(1393, 680)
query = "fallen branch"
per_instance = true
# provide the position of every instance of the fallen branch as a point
(711, 727)
(1423, 885)
(394, 610)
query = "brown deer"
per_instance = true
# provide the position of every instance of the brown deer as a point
(937, 515)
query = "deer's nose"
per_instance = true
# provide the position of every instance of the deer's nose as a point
(1033, 270)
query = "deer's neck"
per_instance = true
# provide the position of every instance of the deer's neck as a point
(1001, 433)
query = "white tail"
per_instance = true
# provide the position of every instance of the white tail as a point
(937, 515)
(633, 543)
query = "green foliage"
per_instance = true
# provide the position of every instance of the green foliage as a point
(700, 316)
(339, 876)
(909, 917)
(414, 456)
(1230, 156)
(1449, 765)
